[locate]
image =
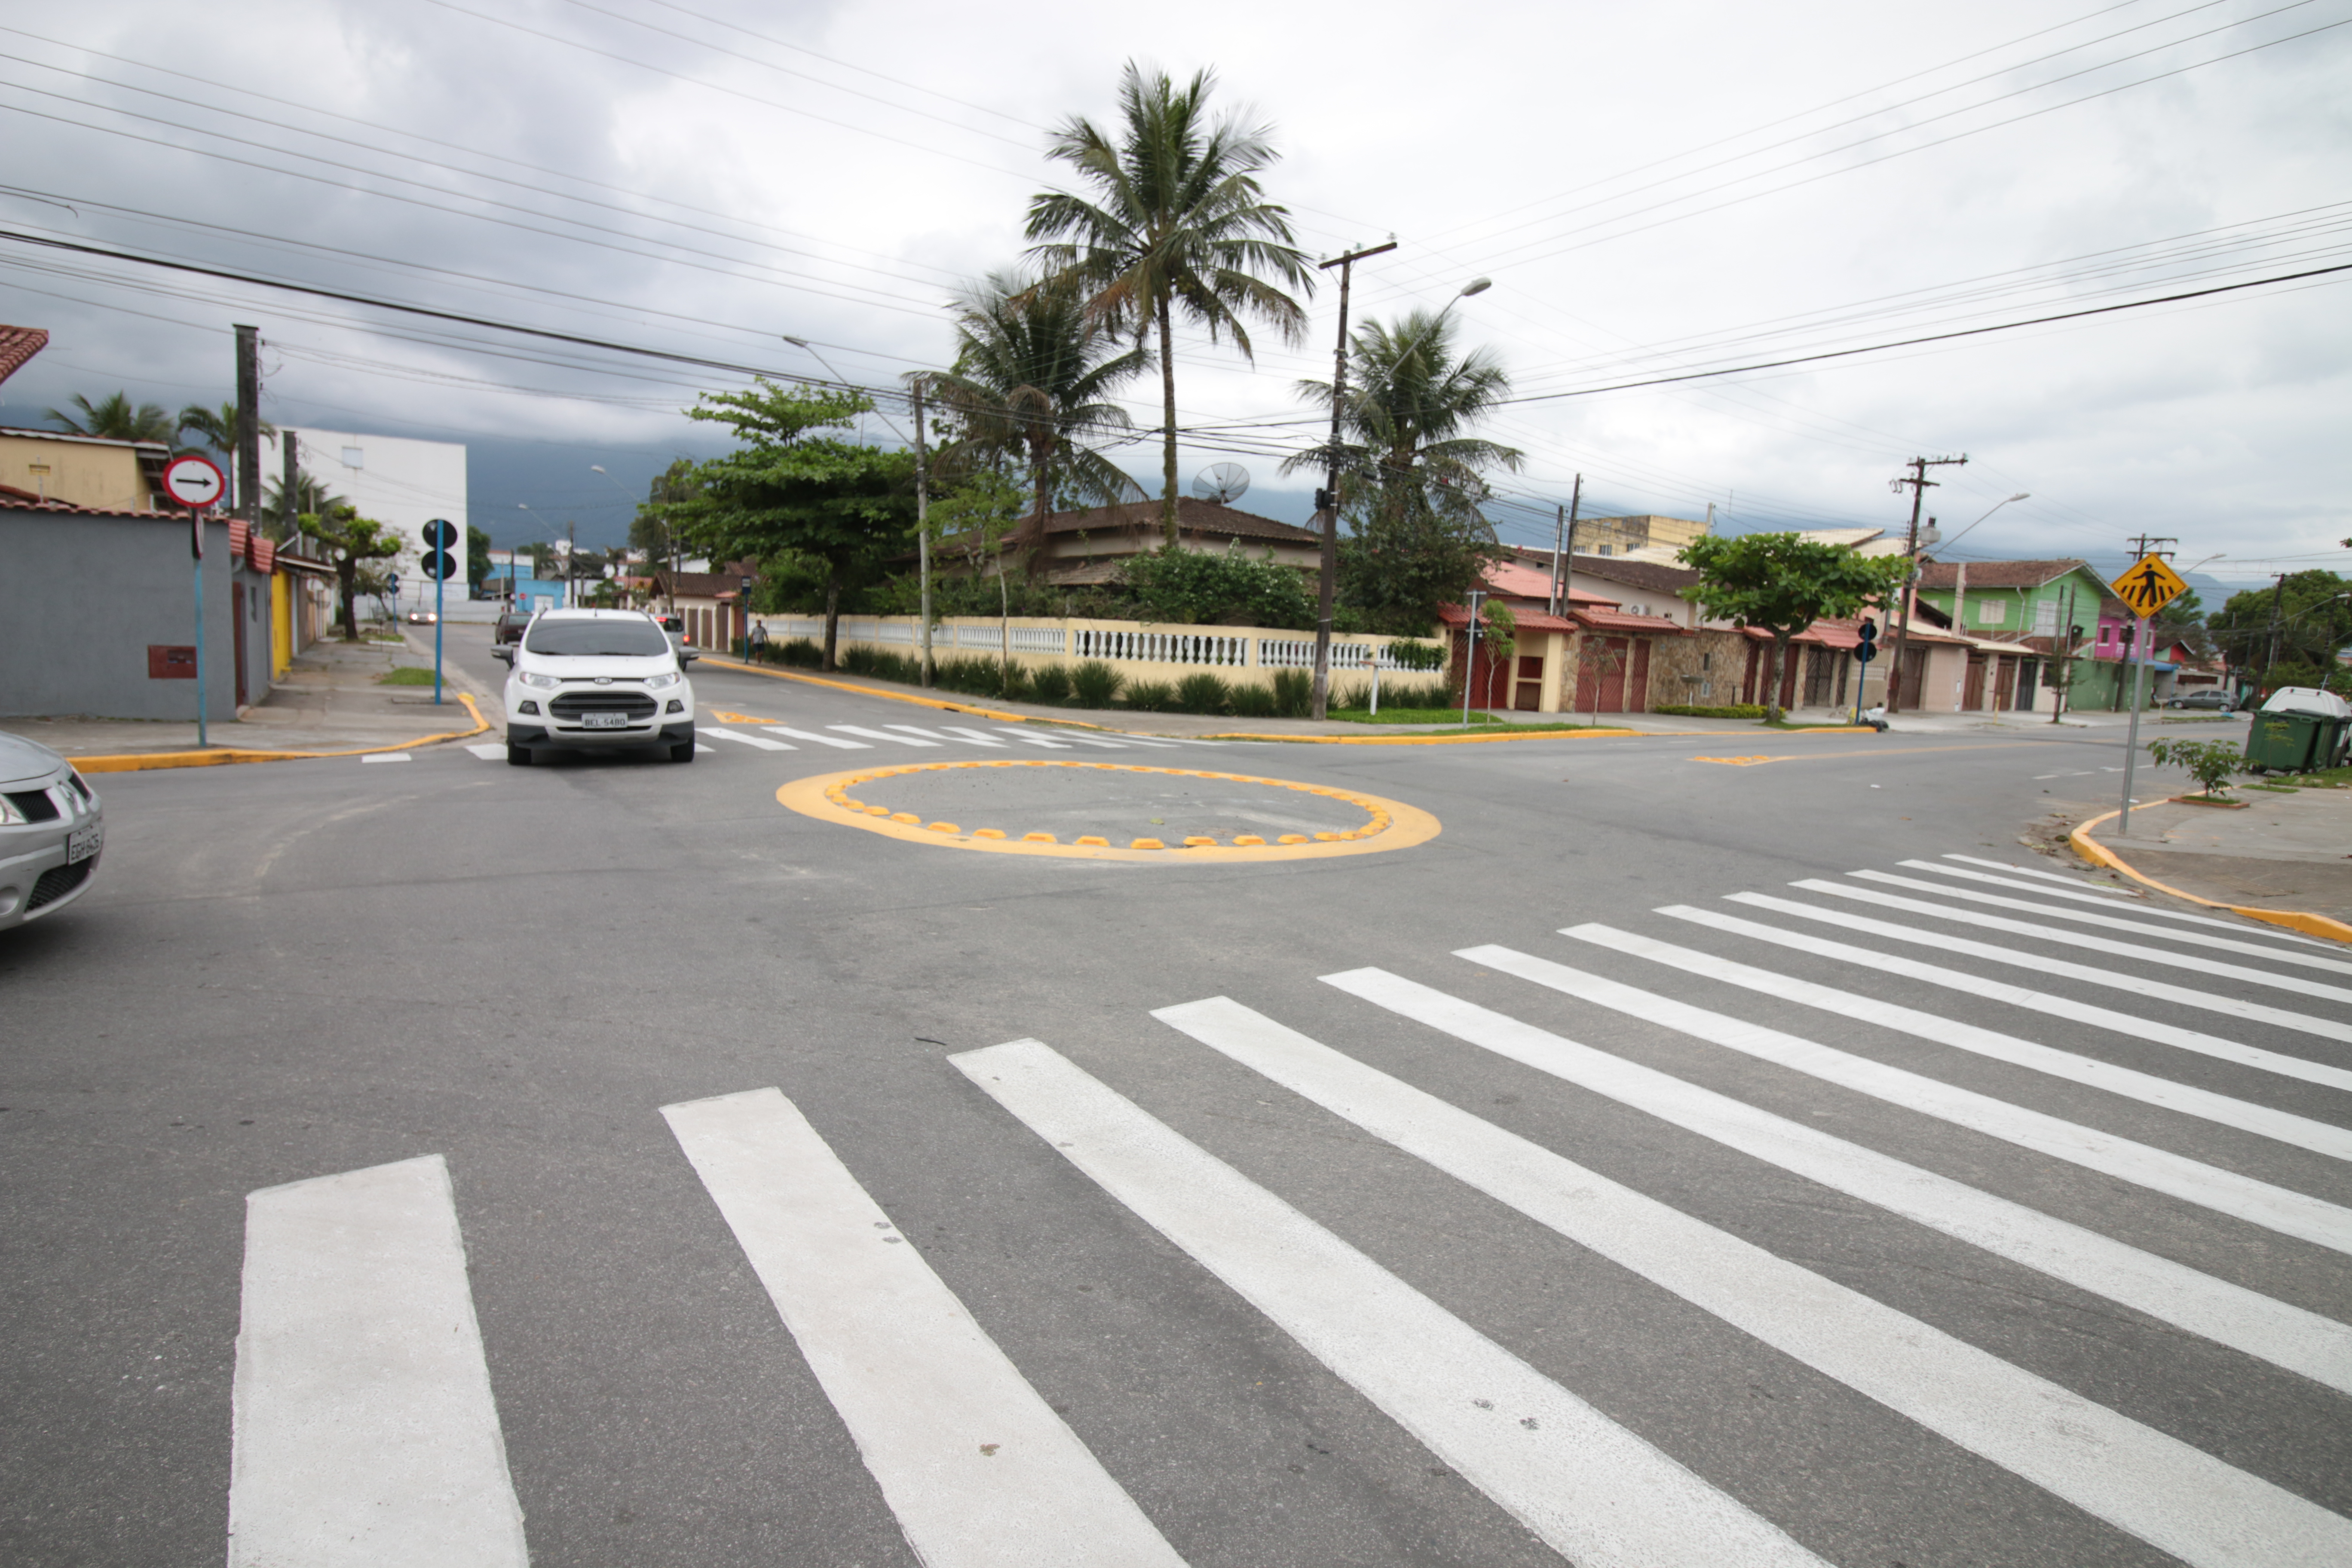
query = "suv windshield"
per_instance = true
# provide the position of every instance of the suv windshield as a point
(631, 639)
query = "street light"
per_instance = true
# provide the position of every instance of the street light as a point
(1947, 544)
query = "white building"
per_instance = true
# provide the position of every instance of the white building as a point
(401, 483)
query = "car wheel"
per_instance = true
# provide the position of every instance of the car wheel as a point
(518, 756)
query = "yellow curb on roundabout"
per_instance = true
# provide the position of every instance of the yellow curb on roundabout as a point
(1389, 824)
(2098, 854)
(144, 761)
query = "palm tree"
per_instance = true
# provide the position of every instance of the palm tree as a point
(1409, 399)
(1032, 376)
(1179, 222)
(310, 495)
(217, 428)
(114, 418)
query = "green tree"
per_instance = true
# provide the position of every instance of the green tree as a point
(1193, 587)
(2301, 621)
(1781, 582)
(788, 491)
(1032, 383)
(976, 517)
(217, 428)
(654, 528)
(1397, 566)
(116, 418)
(1412, 399)
(1179, 224)
(356, 540)
(284, 520)
(477, 558)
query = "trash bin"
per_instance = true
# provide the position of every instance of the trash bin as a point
(2288, 742)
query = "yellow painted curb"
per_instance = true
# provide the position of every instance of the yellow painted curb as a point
(134, 763)
(1393, 825)
(2098, 854)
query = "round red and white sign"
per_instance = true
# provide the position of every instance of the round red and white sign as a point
(194, 482)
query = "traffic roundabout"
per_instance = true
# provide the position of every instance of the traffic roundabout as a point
(1109, 811)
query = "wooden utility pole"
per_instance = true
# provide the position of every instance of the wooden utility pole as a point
(923, 524)
(1328, 503)
(248, 423)
(1920, 483)
(1563, 570)
(289, 488)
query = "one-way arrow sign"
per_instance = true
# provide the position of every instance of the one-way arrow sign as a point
(2149, 586)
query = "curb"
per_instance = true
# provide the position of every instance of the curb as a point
(2294, 919)
(1440, 739)
(145, 762)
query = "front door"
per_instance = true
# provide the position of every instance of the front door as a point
(1528, 695)
(2004, 682)
(1972, 692)
(1600, 674)
(1637, 678)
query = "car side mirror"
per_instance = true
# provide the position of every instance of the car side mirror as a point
(503, 655)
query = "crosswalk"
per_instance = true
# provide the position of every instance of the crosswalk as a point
(870, 737)
(2181, 1098)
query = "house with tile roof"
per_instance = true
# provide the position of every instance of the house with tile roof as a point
(1090, 544)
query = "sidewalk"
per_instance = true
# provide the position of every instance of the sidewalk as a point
(2290, 851)
(329, 700)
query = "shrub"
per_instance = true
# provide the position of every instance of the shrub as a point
(1051, 684)
(1203, 692)
(1395, 692)
(1189, 587)
(1012, 682)
(1697, 711)
(1252, 701)
(2210, 763)
(1150, 696)
(797, 651)
(1294, 693)
(1094, 684)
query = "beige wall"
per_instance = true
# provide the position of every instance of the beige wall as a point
(87, 473)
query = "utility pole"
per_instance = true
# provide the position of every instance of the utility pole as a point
(248, 423)
(289, 488)
(1328, 503)
(2141, 548)
(923, 524)
(1562, 569)
(1919, 484)
(2066, 667)
(2278, 601)
(571, 566)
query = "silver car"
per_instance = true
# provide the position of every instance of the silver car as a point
(51, 831)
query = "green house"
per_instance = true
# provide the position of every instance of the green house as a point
(2032, 602)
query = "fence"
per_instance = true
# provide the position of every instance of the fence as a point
(1244, 652)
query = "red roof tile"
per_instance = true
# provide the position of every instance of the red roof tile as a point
(18, 344)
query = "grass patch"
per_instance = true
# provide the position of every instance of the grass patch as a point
(2273, 788)
(1388, 715)
(1720, 710)
(406, 675)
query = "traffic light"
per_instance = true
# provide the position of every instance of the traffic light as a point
(1866, 650)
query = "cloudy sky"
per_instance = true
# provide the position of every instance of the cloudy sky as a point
(1653, 190)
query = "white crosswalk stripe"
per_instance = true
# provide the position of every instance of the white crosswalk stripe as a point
(2160, 1170)
(364, 1431)
(760, 742)
(953, 732)
(490, 753)
(1121, 745)
(816, 739)
(979, 1471)
(1586, 1486)
(2021, 997)
(880, 735)
(2138, 1478)
(2138, 986)
(2107, 896)
(1027, 739)
(2077, 938)
(387, 757)
(2320, 1137)
(2110, 922)
(2130, 896)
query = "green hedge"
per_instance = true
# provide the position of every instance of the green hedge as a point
(1732, 711)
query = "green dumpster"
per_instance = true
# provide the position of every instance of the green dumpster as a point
(2290, 742)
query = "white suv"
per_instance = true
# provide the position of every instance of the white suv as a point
(596, 678)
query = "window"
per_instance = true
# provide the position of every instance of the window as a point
(1992, 612)
(635, 637)
(2045, 617)
(1707, 661)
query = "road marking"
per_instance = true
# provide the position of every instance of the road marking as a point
(2076, 774)
(2019, 996)
(702, 751)
(2076, 939)
(974, 736)
(2062, 880)
(932, 735)
(1587, 1487)
(978, 1469)
(762, 742)
(2106, 898)
(365, 1435)
(386, 757)
(2263, 1203)
(1029, 739)
(948, 733)
(2139, 1479)
(2302, 1132)
(1128, 740)
(879, 735)
(2188, 998)
(819, 740)
(490, 753)
(2288, 1336)
(1119, 745)
(2110, 922)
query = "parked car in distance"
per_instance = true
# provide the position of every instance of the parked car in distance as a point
(596, 679)
(674, 627)
(509, 627)
(51, 831)
(2212, 699)
(422, 617)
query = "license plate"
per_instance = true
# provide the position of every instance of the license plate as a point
(605, 720)
(83, 842)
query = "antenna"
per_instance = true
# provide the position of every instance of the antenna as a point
(1222, 483)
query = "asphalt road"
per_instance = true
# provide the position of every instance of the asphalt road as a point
(2055, 1274)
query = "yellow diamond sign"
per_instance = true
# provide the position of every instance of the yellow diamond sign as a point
(2148, 586)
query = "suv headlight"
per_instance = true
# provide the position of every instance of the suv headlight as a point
(532, 677)
(659, 682)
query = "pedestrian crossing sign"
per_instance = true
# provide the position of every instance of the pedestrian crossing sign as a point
(2149, 586)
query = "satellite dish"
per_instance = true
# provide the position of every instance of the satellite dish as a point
(1222, 483)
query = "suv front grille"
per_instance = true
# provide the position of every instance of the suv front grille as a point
(56, 882)
(578, 704)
